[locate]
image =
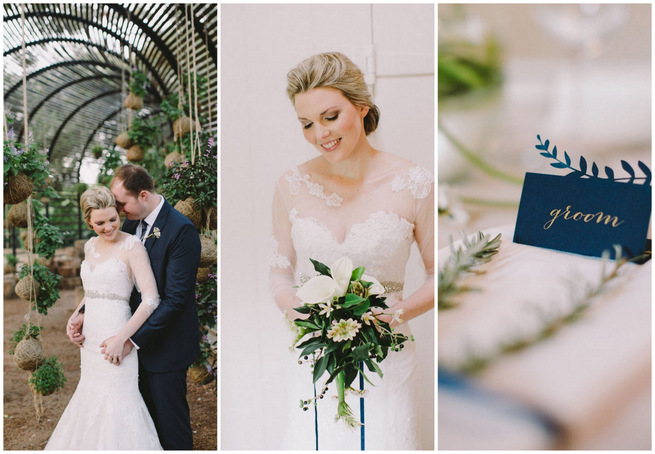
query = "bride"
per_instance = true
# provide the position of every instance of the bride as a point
(107, 410)
(353, 200)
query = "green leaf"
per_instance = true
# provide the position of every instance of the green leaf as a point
(306, 324)
(320, 367)
(357, 274)
(352, 300)
(360, 353)
(303, 309)
(311, 348)
(361, 308)
(321, 268)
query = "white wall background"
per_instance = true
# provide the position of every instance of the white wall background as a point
(261, 138)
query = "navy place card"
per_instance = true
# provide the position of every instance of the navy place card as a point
(583, 215)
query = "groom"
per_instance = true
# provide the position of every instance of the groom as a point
(168, 341)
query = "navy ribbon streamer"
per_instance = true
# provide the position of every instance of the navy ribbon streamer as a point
(315, 417)
(361, 407)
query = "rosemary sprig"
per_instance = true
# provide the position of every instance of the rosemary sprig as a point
(475, 252)
(476, 363)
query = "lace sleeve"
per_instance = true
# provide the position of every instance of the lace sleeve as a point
(283, 256)
(143, 276)
(424, 227)
(418, 181)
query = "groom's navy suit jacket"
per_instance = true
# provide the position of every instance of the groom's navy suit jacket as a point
(169, 339)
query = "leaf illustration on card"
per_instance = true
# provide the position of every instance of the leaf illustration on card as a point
(581, 172)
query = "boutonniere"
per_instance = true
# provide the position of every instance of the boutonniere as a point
(155, 232)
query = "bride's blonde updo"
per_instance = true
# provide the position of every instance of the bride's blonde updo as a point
(334, 70)
(97, 198)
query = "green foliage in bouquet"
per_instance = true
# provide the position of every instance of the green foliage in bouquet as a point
(197, 180)
(20, 334)
(344, 330)
(144, 132)
(48, 378)
(49, 286)
(139, 85)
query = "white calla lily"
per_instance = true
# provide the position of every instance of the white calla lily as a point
(376, 288)
(341, 271)
(319, 289)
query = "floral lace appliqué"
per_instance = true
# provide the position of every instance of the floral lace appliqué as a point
(296, 181)
(418, 181)
(276, 260)
(129, 243)
(90, 248)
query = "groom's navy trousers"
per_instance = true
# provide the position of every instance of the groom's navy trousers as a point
(169, 340)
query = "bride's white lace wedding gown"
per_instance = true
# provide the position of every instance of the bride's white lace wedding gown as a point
(375, 225)
(107, 410)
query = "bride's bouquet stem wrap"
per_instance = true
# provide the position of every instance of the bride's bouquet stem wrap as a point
(344, 330)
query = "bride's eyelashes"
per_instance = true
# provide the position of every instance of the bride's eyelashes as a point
(332, 118)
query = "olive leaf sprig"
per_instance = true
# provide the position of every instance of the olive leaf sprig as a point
(595, 171)
(476, 363)
(480, 249)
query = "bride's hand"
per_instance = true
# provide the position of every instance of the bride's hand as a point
(74, 329)
(113, 350)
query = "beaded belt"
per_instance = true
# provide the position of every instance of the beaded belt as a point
(389, 286)
(106, 296)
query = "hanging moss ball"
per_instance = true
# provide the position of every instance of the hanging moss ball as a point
(136, 153)
(17, 188)
(28, 354)
(123, 141)
(173, 157)
(208, 252)
(134, 102)
(189, 208)
(199, 374)
(17, 215)
(26, 287)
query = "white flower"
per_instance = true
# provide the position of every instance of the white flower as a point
(341, 271)
(396, 316)
(318, 290)
(326, 308)
(376, 288)
(368, 317)
(343, 330)
(155, 232)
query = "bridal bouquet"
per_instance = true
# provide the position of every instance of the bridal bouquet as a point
(343, 331)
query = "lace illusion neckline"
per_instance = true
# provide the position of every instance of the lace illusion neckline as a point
(95, 265)
(350, 231)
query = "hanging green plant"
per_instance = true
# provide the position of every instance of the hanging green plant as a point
(112, 161)
(144, 132)
(197, 181)
(49, 284)
(96, 150)
(48, 378)
(24, 169)
(19, 335)
(139, 85)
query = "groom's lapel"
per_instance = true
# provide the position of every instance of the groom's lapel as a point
(159, 224)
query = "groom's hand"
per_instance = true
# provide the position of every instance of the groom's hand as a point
(108, 347)
(74, 329)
